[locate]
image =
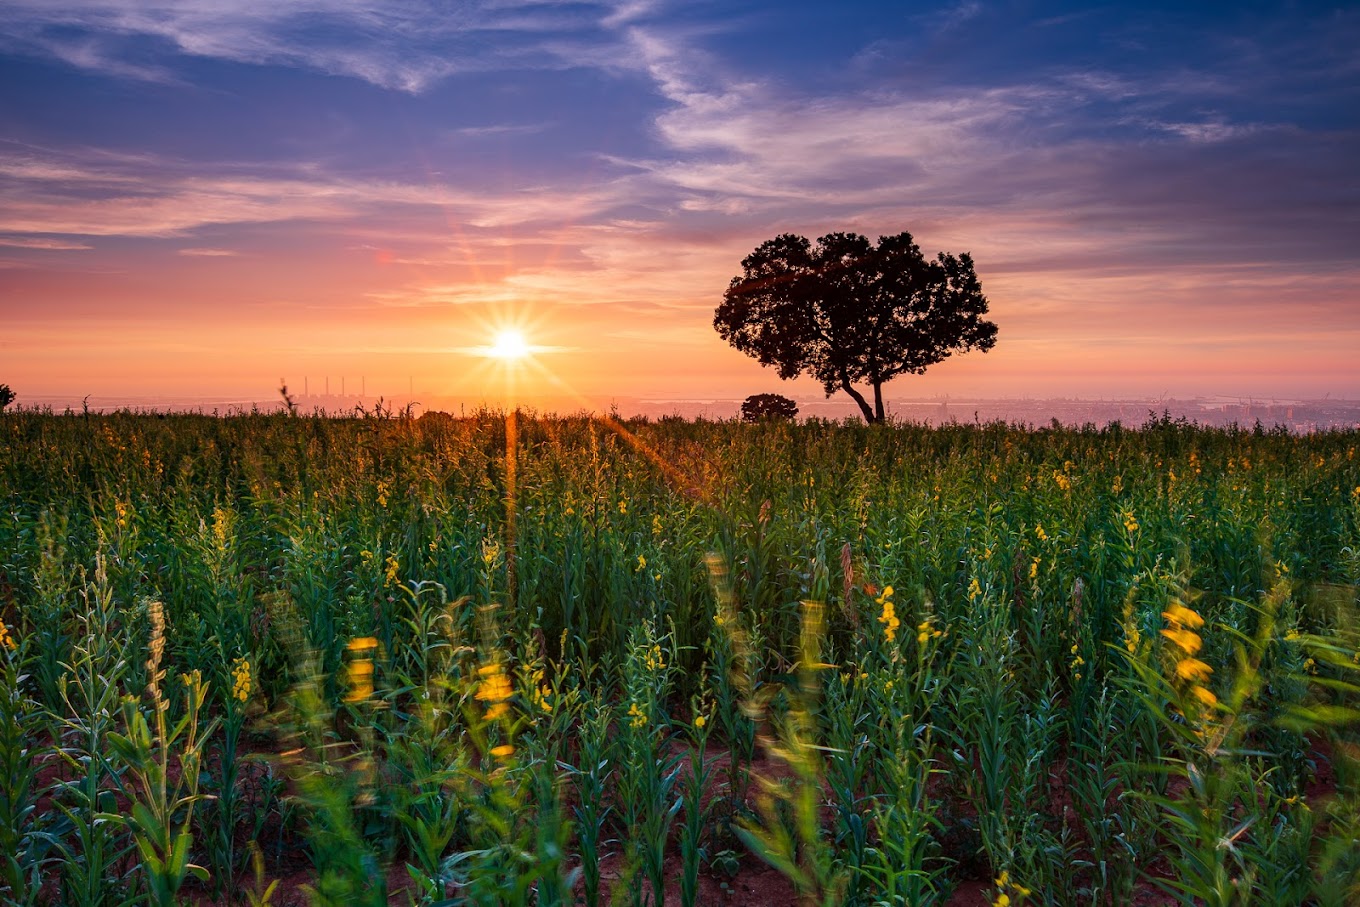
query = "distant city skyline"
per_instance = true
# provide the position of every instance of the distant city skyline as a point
(203, 196)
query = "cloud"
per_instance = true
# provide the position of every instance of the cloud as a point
(1215, 130)
(38, 242)
(1067, 171)
(208, 253)
(404, 45)
(94, 194)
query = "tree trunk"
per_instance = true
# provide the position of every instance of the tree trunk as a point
(878, 402)
(859, 398)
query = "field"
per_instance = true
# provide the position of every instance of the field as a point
(516, 660)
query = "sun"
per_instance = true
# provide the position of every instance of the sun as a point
(509, 346)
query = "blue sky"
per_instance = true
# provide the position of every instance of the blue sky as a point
(1159, 197)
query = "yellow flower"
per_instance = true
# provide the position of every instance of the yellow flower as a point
(362, 643)
(1182, 616)
(1004, 879)
(642, 563)
(392, 570)
(1002, 900)
(636, 716)
(1039, 531)
(1188, 641)
(889, 618)
(494, 689)
(1193, 670)
(359, 676)
(504, 751)
(974, 590)
(1205, 696)
(241, 680)
(654, 659)
(623, 506)
(6, 641)
(700, 721)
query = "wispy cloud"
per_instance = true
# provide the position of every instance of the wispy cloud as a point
(405, 45)
(208, 253)
(93, 196)
(38, 242)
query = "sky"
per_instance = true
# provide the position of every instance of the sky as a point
(201, 197)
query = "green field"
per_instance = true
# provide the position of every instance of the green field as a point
(501, 660)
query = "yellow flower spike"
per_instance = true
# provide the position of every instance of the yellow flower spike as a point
(362, 643)
(642, 563)
(241, 680)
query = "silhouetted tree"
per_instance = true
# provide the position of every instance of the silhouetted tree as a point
(768, 406)
(847, 312)
(6, 397)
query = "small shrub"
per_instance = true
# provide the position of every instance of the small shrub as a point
(768, 406)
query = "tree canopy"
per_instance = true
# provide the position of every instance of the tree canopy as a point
(847, 312)
(768, 406)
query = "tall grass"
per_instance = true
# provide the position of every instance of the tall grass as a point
(634, 658)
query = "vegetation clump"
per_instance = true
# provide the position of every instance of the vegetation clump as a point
(770, 407)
